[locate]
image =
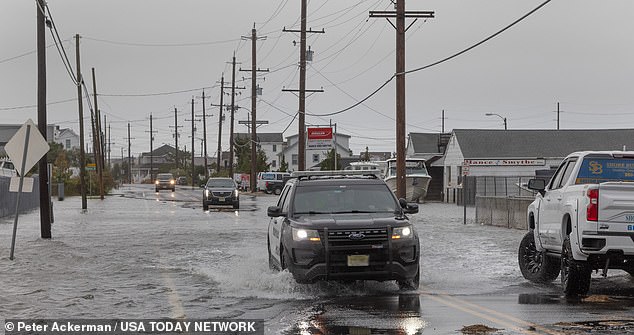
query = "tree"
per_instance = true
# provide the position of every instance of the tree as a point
(242, 148)
(329, 162)
(283, 165)
(365, 156)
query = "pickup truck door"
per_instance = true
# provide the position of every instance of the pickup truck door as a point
(552, 208)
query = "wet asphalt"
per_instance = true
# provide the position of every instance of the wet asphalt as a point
(141, 254)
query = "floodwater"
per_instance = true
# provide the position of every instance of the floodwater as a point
(140, 254)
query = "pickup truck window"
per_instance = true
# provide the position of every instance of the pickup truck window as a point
(563, 174)
(598, 170)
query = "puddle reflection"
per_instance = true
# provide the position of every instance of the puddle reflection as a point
(399, 315)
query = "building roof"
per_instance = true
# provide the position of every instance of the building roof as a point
(426, 143)
(163, 150)
(481, 143)
(264, 137)
(66, 132)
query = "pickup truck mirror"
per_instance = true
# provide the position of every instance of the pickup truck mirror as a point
(537, 185)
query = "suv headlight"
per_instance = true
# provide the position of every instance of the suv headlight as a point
(402, 232)
(305, 235)
(156, 182)
(206, 193)
(235, 193)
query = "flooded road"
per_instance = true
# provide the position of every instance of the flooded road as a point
(142, 254)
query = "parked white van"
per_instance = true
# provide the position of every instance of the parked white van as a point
(271, 182)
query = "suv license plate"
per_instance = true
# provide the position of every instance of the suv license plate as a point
(221, 199)
(358, 260)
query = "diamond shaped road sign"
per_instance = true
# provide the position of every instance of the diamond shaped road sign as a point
(37, 147)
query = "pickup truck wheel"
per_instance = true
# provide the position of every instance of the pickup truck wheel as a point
(575, 275)
(410, 284)
(277, 191)
(535, 265)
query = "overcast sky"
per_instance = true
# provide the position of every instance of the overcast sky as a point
(576, 52)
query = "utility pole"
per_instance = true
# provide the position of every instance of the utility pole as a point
(220, 119)
(254, 138)
(301, 154)
(109, 142)
(233, 96)
(443, 122)
(82, 152)
(400, 14)
(233, 109)
(204, 149)
(152, 131)
(98, 156)
(558, 111)
(129, 155)
(176, 134)
(45, 198)
(193, 137)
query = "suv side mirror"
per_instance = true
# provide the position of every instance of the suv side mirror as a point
(274, 211)
(408, 208)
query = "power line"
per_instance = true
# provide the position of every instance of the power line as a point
(437, 62)
(135, 44)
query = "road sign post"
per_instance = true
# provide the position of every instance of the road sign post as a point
(24, 149)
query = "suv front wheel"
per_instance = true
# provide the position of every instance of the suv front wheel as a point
(535, 265)
(575, 275)
(410, 284)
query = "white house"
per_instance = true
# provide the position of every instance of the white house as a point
(314, 156)
(271, 143)
(67, 138)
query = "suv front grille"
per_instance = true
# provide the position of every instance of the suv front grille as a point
(354, 237)
(222, 194)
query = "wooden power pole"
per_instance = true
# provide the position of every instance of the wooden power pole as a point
(45, 198)
(400, 14)
(97, 135)
(254, 137)
(301, 149)
(82, 151)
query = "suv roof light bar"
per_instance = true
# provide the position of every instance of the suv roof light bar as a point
(298, 174)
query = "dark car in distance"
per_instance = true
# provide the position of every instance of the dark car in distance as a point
(165, 181)
(343, 225)
(221, 191)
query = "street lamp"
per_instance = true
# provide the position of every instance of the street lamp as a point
(498, 115)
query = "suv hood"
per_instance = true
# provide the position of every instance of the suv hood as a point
(351, 220)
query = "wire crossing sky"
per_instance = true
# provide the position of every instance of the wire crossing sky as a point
(153, 56)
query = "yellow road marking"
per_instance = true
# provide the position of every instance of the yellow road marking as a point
(485, 313)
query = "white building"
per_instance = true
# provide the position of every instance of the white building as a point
(313, 156)
(67, 138)
(519, 153)
(271, 143)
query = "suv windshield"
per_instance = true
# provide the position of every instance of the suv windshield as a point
(223, 183)
(164, 176)
(344, 199)
(598, 170)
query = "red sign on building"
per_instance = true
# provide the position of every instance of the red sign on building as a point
(319, 138)
(322, 133)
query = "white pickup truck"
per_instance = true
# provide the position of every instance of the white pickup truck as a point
(7, 169)
(581, 220)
